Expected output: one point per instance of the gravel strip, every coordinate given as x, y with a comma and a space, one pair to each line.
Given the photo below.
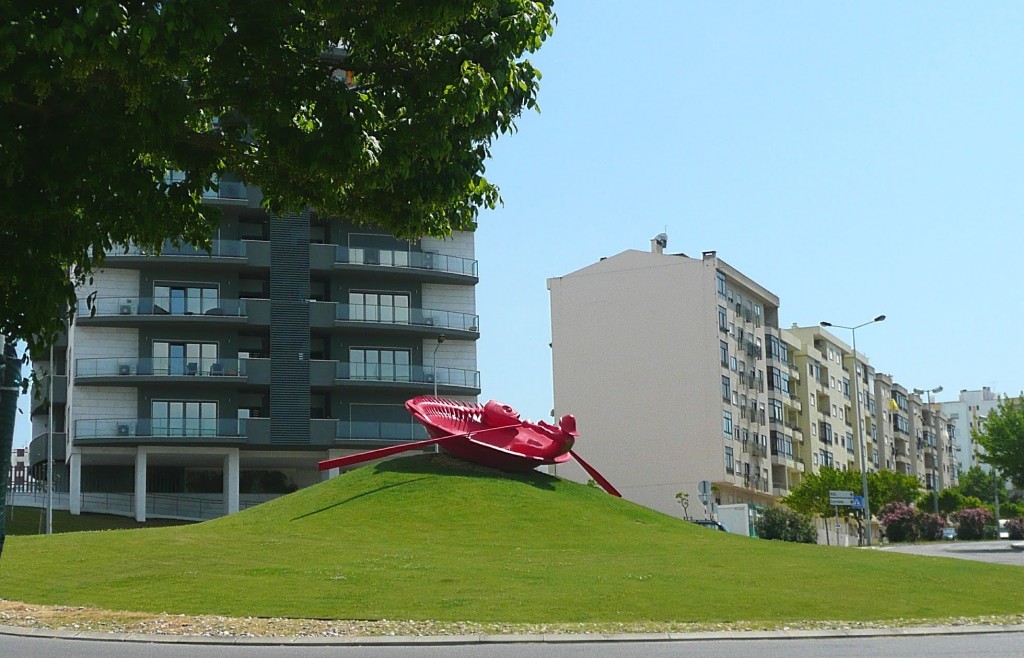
75, 618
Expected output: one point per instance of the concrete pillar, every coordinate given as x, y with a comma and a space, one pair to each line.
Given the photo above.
140, 485
333, 472
75, 485
231, 464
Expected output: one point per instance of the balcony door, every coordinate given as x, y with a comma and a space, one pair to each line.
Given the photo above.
392, 308
183, 357
184, 418
380, 364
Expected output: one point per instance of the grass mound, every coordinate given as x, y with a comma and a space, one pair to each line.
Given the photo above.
428, 537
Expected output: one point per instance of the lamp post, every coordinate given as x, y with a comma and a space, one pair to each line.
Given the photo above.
433, 367
860, 425
935, 453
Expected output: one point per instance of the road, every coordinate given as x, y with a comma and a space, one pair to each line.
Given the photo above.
975, 645
984, 551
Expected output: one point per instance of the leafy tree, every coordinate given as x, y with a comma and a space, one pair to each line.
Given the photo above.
786, 525
950, 500
1015, 528
885, 487
981, 484
1001, 436
379, 112
810, 497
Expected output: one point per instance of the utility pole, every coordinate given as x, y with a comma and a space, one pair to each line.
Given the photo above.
10, 388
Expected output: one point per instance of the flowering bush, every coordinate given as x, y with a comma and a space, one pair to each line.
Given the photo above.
1016, 528
972, 522
898, 519
929, 526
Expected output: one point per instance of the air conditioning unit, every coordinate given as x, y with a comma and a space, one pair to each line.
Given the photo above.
124, 429
429, 322
125, 309
124, 369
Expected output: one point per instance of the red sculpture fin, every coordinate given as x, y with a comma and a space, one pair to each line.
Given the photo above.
380, 453
600, 479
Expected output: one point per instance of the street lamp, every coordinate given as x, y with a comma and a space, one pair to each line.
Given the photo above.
935, 449
433, 367
860, 425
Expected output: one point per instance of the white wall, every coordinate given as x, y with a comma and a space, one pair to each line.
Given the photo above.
461, 299
461, 244
113, 283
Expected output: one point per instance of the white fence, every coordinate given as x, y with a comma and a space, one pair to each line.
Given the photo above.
186, 507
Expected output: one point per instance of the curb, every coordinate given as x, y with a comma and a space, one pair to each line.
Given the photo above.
442, 640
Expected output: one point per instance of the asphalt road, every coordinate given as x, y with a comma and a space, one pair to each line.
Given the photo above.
1000, 552
976, 646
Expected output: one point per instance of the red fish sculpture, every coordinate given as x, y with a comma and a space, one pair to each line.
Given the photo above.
491, 434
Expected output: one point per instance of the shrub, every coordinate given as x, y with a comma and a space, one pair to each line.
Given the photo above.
972, 523
929, 526
1016, 528
786, 525
899, 521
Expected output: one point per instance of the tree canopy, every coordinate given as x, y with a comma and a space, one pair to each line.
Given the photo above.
1001, 437
381, 112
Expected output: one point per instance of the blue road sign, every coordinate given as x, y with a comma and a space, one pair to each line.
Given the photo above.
858, 502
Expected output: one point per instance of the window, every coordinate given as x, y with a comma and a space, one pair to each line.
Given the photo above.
732, 363
184, 418
776, 408
721, 284
379, 364
723, 353
726, 388
825, 432
730, 465
379, 307
184, 358
846, 387
183, 299
727, 424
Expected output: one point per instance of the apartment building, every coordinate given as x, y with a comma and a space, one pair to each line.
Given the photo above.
662, 359
677, 371
19, 478
226, 376
966, 414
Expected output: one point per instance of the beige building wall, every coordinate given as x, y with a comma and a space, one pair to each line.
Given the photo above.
636, 353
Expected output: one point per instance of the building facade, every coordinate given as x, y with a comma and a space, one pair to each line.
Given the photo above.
226, 376
966, 414
662, 360
678, 372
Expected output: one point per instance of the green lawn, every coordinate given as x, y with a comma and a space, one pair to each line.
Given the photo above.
427, 537
32, 521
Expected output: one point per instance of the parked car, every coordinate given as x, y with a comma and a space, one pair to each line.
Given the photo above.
710, 523
949, 533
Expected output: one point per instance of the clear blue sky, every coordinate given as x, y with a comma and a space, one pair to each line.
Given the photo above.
854, 158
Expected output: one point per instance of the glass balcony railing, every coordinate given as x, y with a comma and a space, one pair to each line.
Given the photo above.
172, 367
225, 189
104, 306
159, 427
379, 431
219, 249
413, 259
420, 317
407, 374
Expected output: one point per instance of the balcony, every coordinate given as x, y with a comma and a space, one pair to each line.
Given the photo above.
415, 378
371, 432
158, 430
147, 311
37, 448
416, 264
40, 399
121, 370
223, 253
407, 320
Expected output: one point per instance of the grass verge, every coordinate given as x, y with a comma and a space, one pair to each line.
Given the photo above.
429, 538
